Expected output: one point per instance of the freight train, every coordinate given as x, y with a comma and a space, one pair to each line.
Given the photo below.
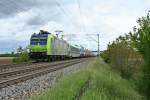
46, 46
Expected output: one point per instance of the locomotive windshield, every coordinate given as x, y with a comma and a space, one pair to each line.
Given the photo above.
39, 40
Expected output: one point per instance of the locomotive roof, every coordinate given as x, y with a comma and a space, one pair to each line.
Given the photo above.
41, 33
38, 35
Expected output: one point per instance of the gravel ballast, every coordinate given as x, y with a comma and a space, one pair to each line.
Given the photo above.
23, 90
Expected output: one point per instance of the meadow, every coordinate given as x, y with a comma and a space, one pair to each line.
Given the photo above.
97, 81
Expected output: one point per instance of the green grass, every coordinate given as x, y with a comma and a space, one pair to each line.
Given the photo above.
66, 89
105, 84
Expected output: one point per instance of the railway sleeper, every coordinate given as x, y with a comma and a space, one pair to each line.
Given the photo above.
32, 75
17, 72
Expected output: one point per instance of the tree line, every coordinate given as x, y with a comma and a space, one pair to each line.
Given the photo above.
129, 54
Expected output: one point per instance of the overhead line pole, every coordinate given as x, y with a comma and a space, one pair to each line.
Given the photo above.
98, 44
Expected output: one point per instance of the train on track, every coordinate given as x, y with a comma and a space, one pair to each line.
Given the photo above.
45, 45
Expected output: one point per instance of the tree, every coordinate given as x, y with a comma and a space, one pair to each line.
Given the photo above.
143, 44
20, 49
22, 55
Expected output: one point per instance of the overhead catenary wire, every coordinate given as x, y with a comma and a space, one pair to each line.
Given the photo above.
84, 25
89, 36
18, 7
81, 16
7, 4
64, 12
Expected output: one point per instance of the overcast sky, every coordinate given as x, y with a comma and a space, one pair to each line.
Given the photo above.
110, 18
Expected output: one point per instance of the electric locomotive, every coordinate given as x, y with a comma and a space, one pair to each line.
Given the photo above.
44, 45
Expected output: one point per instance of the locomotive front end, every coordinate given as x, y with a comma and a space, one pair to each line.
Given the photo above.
38, 46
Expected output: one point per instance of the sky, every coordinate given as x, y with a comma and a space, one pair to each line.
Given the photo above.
19, 19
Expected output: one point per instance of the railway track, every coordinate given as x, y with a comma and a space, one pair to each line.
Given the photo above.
17, 73
11, 66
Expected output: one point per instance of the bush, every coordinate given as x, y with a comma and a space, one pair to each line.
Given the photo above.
126, 61
105, 56
22, 57
142, 41
125, 54
123, 58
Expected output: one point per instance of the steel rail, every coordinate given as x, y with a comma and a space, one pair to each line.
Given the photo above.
27, 69
14, 66
20, 78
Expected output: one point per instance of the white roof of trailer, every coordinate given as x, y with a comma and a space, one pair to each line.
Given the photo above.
75, 45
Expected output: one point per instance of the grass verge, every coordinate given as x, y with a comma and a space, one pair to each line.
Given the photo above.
105, 84
66, 89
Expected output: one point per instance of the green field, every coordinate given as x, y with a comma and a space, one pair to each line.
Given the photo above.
103, 84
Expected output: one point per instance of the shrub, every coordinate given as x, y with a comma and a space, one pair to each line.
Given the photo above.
143, 36
105, 56
126, 60
22, 57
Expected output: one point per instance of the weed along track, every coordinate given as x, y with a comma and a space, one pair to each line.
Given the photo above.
21, 73
83, 89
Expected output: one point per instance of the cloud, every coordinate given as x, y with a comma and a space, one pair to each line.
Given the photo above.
11, 26
21, 18
12, 7
11, 45
37, 20
9, 8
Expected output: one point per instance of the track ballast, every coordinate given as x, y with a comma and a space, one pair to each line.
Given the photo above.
14, 74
